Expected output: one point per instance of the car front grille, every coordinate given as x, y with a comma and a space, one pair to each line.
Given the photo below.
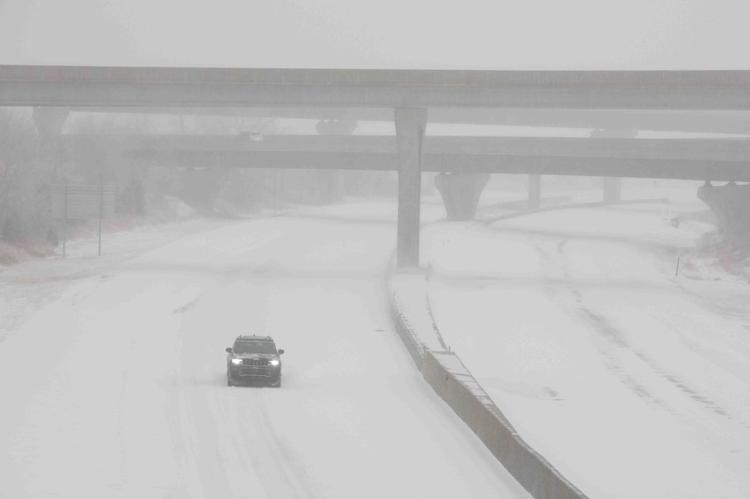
254, 371
255, 362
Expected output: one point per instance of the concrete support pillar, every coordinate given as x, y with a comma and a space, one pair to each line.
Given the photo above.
611, 189
461, 193
535, 192
410, 128
612, 186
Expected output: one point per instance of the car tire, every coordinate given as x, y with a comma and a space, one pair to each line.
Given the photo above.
229, 381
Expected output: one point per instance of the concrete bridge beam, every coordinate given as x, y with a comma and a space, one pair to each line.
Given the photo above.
410, 128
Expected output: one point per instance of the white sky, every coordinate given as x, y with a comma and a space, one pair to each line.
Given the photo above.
465, 34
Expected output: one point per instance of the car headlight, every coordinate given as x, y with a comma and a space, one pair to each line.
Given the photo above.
236, 362
274, 362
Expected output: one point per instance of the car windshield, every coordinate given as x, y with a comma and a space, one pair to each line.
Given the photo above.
251, 346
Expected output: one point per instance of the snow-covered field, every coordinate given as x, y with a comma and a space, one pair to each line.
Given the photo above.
631, 381
112, 371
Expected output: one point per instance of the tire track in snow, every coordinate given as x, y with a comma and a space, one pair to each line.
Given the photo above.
231, 423
275, 464
598, 322
557, 266
616, 338
288, 464
558, 261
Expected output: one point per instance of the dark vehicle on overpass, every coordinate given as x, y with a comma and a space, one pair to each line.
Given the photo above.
254, 359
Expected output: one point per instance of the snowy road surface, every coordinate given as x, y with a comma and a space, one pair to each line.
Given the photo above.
632, 382
113, 385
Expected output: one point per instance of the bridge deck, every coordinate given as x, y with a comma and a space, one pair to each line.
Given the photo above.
160, 86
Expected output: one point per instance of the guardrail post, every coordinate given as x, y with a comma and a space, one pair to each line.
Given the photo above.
410, 128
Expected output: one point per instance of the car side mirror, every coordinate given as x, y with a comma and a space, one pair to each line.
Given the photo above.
281, 351
228, 349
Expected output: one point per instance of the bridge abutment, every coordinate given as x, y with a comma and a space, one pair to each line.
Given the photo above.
461, 193
410, 128
731, 204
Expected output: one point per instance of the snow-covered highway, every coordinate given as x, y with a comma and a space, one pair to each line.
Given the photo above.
631, 381
113, 384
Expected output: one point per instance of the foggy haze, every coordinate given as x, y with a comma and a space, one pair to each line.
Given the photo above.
474, 34
240, 256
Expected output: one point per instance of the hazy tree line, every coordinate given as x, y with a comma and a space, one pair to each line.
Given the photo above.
26, 179
33, 168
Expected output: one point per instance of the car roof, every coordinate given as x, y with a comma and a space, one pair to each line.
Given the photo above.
252, 337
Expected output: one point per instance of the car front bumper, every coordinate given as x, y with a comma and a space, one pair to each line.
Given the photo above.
249, 373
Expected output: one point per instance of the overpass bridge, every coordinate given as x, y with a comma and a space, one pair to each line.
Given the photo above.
682, 121
222, 87
687, 159
408, 95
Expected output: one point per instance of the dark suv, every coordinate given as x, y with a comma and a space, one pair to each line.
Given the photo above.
254, 359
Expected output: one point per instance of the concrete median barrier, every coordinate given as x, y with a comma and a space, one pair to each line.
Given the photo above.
453, 382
